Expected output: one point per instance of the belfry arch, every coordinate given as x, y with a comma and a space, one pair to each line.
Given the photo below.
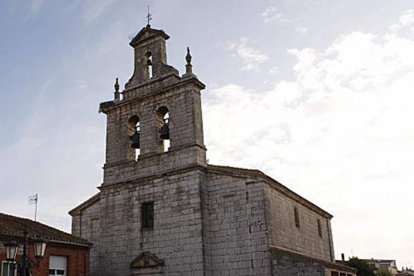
163, 124
134, 135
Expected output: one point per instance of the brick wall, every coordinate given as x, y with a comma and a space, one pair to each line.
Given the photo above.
77, 259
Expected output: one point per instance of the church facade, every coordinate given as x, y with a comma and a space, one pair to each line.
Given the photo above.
163, 210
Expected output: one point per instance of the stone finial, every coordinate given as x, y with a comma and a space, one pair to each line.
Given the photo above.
188, 56
188, 66
116, 86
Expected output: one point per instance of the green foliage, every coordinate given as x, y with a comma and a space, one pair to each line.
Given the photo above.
364, 269
383, 272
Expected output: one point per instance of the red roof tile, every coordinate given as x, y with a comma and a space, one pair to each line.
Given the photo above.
11, 228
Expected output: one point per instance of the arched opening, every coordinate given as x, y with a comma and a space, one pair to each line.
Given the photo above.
149, 64
134, 135
163, 118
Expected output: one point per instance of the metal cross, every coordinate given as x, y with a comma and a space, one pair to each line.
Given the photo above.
149, 18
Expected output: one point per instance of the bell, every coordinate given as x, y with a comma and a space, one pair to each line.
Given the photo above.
135, 140
165, 131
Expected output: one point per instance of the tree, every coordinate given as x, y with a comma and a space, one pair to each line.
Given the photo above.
364, 269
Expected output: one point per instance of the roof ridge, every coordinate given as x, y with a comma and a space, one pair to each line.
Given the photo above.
281, 187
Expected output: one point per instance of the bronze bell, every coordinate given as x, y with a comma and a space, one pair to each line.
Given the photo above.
165, 131
135, 140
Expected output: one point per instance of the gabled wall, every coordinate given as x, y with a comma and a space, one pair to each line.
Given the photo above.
283, 231
176, 237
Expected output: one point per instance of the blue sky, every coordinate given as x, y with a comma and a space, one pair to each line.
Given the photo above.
315, 93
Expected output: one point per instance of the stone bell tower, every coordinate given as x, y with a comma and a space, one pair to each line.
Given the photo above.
150, 199
155, 98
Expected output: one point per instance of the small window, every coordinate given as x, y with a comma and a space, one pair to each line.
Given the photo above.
297, 220
334, 273
57, 265
8, 268
319, 228
147, 215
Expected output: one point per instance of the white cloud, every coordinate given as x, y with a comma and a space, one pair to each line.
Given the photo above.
406, 20
93, 9
338, 133
268, 12
271, 73
251, 58
274, 70
271, 14
301, 29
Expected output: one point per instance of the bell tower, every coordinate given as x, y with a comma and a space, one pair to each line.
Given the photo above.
155, 124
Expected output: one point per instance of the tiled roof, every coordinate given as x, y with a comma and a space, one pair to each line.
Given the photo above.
337, 266
11, 228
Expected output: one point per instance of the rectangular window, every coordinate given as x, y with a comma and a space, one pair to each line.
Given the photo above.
319, 228
297, 220
56, 272
334, 273
57, 265
147, 215
8, 268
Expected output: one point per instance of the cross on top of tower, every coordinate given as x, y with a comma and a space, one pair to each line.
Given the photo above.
149, 18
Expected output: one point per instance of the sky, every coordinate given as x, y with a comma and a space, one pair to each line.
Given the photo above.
318, 94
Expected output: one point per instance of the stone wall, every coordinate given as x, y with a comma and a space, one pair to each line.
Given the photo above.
288, 264
235, 230
86, 224
283, 231
183, 102
176, 237
206, 221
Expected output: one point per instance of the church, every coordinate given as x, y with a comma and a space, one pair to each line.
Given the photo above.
163, 210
